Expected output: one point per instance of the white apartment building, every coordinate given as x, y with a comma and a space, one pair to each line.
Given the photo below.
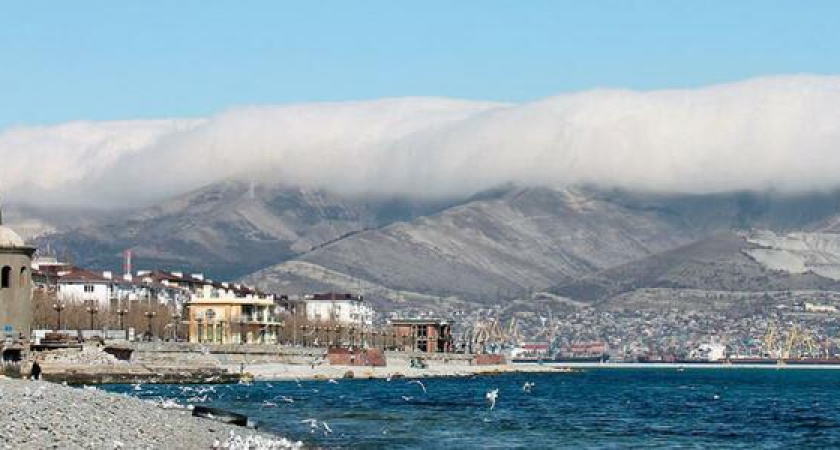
341, 308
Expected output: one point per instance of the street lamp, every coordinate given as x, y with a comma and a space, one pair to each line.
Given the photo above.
121, 313
150, 315
93, 310
58, 307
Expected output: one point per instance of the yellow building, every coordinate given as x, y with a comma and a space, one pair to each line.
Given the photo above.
232, 314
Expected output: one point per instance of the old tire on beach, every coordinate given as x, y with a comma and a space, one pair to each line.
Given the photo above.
220, 415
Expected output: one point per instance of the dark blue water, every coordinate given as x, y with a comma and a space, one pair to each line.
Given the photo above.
607, 408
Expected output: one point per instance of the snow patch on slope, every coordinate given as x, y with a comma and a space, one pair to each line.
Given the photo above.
797, 252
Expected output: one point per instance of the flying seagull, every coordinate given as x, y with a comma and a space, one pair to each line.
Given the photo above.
420, 383
492, 396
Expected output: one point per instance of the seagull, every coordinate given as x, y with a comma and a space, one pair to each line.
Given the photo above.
492, 396
137, 387
287, 399
407, 398
326, 427
527, 387
268, 403
332, 381
313, 424
418, 382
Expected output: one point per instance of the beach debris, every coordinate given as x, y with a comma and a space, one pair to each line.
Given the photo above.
492, 396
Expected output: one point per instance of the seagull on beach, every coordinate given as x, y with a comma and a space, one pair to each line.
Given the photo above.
420, 383
527, 387
492, 396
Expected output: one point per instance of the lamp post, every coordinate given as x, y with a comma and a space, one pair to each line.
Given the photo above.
150, 315
121, 313
58, 307
93, 310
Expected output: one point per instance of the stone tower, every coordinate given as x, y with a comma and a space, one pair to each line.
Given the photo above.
15, 287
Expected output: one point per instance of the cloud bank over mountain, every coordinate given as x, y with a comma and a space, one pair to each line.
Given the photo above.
779, 133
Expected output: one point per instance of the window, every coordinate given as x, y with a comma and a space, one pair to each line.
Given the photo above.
6, 277
24, 277
88, 288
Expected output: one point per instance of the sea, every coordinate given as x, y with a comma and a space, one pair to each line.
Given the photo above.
594, 408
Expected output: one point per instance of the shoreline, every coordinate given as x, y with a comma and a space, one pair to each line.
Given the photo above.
287, 372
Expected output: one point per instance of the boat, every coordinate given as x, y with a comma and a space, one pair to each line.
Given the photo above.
530, 353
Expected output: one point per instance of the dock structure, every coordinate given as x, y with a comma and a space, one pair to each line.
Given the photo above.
429, 335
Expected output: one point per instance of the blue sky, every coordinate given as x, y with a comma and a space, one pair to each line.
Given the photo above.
99, 60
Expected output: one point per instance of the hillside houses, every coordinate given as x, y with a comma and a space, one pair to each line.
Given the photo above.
176, 289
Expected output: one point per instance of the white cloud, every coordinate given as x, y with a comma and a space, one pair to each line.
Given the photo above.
780, 132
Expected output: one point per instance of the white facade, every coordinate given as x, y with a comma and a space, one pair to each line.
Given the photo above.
710, 352
348, 311
85, 291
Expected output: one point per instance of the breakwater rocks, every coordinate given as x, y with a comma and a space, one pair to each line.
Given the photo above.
39, 415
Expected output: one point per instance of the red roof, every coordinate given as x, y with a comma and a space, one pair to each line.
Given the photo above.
76, 274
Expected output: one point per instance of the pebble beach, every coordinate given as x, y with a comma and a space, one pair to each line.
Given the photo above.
42, 415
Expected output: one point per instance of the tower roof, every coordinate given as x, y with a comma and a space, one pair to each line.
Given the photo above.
8, 238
